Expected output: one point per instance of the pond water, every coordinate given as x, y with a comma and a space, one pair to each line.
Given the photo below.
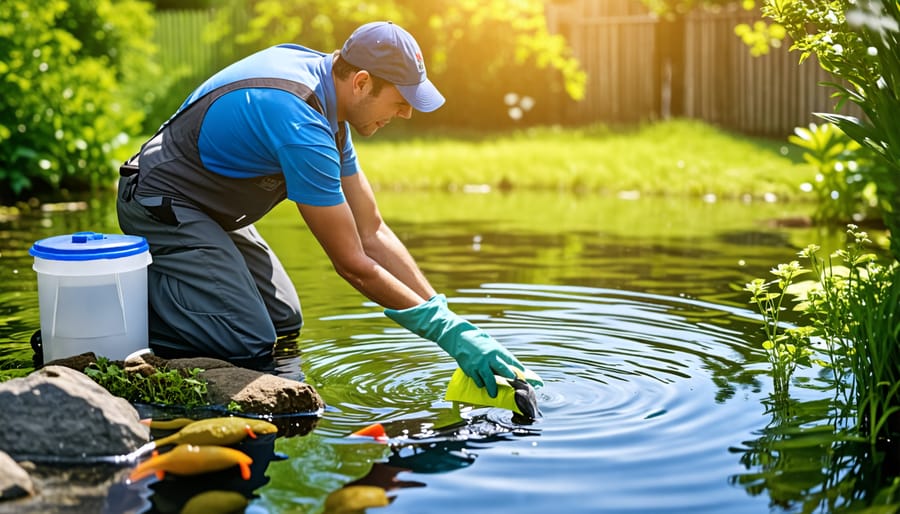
656, 387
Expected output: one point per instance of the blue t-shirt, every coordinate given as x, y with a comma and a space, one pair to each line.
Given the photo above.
254, 132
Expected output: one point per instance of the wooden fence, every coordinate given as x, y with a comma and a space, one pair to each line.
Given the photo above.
639, 68
726, 85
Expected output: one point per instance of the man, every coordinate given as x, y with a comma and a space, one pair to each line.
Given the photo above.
269, 127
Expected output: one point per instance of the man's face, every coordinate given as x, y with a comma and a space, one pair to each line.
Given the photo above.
370, 112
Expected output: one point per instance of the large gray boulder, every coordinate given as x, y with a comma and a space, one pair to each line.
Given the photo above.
60, 412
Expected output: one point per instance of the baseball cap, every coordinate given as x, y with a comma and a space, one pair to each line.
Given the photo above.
389, 52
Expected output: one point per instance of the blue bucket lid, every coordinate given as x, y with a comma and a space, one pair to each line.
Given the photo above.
87, 246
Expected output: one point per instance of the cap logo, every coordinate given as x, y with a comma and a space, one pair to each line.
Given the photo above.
420, 62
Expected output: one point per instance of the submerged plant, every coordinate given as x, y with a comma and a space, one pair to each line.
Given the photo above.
166, 387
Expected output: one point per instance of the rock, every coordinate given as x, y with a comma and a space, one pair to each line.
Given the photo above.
14, 481
206, 363
254, 391
144, 364
57, 411
75, 489
260, 393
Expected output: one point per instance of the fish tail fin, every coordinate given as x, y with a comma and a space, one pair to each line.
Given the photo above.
375, 431
144, 469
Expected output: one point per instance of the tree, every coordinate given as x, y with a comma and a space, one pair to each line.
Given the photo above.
477, 51
72, 76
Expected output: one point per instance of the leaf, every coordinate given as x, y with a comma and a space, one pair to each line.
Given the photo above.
802, 288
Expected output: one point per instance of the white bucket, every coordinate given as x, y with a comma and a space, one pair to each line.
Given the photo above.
92, 293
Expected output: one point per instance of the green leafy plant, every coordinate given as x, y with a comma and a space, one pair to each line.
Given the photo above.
855, 309
166, 387
858, 43
852, 307
844, 169
850, 312
785, 347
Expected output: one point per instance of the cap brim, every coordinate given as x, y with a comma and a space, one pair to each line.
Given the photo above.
424, 97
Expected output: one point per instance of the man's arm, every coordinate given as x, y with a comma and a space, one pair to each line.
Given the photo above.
378, 240
367, 254
335, 229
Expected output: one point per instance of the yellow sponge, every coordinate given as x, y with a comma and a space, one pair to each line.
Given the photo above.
516, 395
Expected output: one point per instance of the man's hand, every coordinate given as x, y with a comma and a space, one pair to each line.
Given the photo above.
478, 354
481, 357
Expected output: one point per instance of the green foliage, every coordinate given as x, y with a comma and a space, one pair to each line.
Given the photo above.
73, 74
760, 36
166, 387
474, 49
851, 314
164, 5
319, 24
859, 44
856, 311
843, 173
485, 50
785, 348
853, 310
11, 373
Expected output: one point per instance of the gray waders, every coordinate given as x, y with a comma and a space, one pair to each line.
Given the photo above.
215, 288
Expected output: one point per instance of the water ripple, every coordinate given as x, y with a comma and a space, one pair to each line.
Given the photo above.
631, 389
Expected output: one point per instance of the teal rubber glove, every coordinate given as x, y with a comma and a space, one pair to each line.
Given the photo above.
478, 354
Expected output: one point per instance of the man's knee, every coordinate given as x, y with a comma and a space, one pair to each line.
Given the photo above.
290, 323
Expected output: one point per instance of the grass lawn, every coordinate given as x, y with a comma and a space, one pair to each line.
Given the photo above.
672, 158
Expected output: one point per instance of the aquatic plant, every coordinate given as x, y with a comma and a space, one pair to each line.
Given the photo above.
851, 317
167, 387
851, 310
786, 347
855, 310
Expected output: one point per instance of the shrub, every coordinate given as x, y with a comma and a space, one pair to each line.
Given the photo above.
857, 43
73, 74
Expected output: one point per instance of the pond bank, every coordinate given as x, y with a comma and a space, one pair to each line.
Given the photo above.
74, 440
